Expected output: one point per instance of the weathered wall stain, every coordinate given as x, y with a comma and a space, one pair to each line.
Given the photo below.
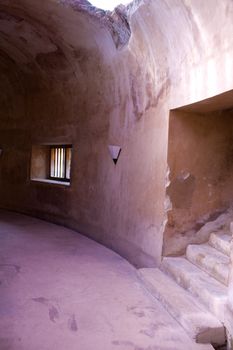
181, 192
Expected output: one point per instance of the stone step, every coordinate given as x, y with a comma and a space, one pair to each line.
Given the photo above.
209, 291
215, 263
221, 241
200, 324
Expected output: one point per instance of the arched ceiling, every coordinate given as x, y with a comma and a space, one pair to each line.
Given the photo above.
53, 38
45, 33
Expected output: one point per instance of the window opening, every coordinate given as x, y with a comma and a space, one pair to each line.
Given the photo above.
60, 162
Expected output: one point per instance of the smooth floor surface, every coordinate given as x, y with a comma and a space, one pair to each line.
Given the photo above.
62, 291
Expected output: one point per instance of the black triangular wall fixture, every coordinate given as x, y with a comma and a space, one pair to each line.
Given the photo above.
114, 152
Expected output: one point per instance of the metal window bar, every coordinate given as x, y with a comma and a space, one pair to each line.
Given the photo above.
60, 162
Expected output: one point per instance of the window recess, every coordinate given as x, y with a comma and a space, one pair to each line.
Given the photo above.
51, 163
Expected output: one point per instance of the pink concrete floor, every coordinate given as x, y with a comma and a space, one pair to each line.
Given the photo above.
62, 291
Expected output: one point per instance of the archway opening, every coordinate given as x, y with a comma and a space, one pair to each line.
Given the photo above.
200, 155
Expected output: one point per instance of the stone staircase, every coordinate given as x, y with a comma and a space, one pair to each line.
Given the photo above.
193, 288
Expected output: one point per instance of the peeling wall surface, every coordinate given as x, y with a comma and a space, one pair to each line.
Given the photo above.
74, 74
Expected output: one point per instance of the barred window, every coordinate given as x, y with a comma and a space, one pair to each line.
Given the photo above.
60, 162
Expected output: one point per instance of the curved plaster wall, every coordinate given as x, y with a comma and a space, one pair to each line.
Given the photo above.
71, 73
